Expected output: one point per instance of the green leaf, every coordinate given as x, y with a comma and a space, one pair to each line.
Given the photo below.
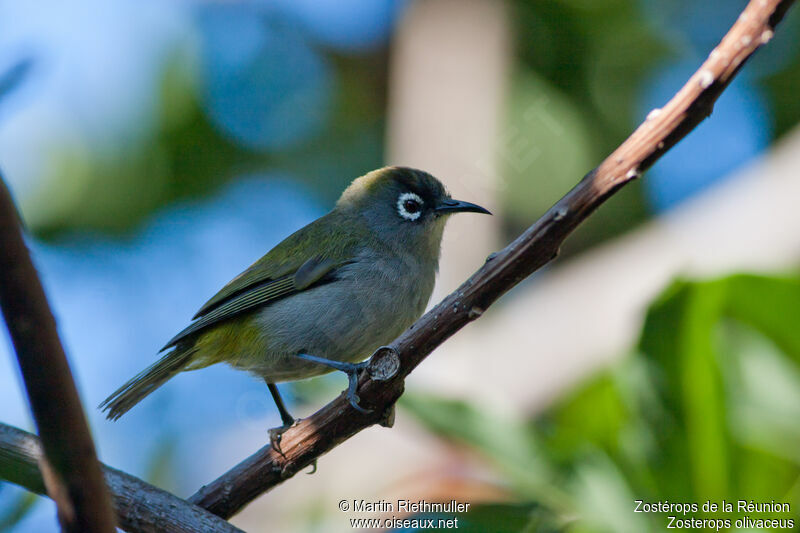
678, 341
769, 304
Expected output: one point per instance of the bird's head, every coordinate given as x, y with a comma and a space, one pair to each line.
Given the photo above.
403, 206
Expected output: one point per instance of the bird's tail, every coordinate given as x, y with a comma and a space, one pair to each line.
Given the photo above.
145, 382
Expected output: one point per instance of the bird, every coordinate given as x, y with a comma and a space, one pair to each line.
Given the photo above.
323, 299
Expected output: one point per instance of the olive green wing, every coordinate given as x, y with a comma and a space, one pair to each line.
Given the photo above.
292, 266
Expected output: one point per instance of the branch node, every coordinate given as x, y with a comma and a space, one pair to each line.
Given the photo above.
475, 312
384, 364
705, 78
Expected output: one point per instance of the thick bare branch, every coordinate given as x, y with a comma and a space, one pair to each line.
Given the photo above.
337, 421
140, 506
72, 473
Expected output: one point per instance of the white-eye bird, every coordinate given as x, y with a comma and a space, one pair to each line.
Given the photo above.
323, 299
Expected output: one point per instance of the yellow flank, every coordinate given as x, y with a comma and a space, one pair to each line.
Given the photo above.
234, 342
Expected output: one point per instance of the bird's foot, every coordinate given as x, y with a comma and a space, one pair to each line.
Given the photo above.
351, 369
276, 434
352, 386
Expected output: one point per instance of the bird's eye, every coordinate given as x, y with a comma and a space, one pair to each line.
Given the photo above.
409, 206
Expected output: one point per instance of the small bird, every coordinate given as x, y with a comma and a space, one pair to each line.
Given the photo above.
324, 298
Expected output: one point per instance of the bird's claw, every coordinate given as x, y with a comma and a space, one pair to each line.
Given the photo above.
313, 466
351, 369
352, 378
353, 398
275, 435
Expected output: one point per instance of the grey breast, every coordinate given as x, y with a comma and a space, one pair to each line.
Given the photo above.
370, 303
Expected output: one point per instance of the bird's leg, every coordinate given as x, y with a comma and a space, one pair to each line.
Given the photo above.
351, 369
288, 420
286, 417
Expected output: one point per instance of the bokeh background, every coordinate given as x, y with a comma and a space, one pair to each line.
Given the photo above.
155, 149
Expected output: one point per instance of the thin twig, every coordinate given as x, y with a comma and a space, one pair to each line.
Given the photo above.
337, 421
140, 506
72, 473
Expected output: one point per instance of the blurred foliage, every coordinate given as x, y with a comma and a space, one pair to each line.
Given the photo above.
15, 507
708, 409
596, 53
13, 76
189, 157
577, 89
498, 518
781, 87
576, 86
574, 99
188, 153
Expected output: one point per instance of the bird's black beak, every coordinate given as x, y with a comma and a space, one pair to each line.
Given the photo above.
447, 206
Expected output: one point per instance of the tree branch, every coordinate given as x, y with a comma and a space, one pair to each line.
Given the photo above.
71, 472
140, 506
382, 385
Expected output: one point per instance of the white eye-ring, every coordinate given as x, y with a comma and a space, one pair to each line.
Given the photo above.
409, 206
